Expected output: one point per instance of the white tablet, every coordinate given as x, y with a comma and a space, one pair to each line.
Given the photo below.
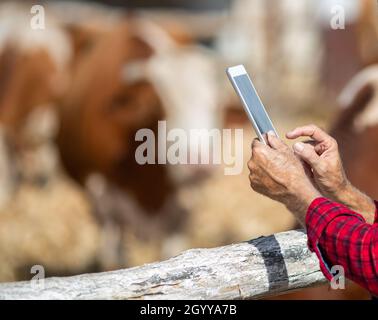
251, 101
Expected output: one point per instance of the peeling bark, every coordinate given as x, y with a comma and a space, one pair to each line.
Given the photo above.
257, 268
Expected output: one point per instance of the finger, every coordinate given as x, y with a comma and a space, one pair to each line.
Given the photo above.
260, 149
309, 131
275, 142
256, 143
311, 143
318, 147
307, 153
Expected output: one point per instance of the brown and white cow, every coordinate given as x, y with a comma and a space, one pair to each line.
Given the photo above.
132, 77
106, 83
34, 65
356, 130
34, 72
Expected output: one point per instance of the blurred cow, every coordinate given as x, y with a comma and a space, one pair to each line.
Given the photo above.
34, 65
43, 214
34, 71
129, 79
356, 130
106, 83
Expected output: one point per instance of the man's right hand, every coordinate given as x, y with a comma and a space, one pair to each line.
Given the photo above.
322, 155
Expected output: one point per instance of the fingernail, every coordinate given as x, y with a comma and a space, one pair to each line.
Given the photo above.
299, 146
271, 133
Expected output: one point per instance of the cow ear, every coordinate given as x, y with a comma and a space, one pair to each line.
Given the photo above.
356, 100
362, 97
139, 49
359, 90
355, 105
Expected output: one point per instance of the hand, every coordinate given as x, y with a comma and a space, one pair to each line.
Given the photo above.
276, 172
323, 156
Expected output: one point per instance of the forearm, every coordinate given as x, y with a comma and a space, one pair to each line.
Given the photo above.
357, 201
299, 202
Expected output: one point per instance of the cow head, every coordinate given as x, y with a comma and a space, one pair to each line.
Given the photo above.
102, 112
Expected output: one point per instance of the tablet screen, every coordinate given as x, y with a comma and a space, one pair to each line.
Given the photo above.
256, 108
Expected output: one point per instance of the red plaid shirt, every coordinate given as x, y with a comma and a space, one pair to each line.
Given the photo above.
340, 236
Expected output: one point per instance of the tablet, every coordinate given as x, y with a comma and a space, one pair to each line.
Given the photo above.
251, 101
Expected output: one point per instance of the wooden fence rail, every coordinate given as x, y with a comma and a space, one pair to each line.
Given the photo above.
258, 268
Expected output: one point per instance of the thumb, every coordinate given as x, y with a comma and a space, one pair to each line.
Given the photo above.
307, 153
274, 141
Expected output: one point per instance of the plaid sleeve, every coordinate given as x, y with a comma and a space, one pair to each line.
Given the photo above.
340, 236
376, 212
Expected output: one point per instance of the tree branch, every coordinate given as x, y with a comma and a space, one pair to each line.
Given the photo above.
258, 268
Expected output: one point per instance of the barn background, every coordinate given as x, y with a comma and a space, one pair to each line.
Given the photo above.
72, 96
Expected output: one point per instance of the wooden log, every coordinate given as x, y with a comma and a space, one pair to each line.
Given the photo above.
253, 269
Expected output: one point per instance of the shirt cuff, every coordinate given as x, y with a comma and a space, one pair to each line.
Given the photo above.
376, 212
319, 214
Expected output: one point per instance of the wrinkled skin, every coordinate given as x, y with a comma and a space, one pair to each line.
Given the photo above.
276, 172
312, 169
323, 156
